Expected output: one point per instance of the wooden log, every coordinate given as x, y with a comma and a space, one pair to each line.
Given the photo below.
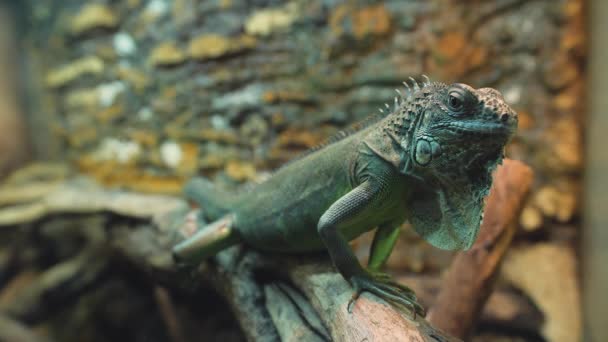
371, 318
13, 331
63, 282
308, 291
276, 297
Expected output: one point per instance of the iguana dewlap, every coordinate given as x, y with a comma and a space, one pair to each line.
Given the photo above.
428, 161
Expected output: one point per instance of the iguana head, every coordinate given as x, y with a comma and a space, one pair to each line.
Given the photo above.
455, 128
453, 138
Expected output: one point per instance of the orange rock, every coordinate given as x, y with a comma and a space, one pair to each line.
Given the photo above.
477, 57
561, 72
531, 218
548, 274
454, 55
240, 171
129, 176
337, 17
372, 20
135, 77
565, 101
167, 54
110, 114
569, 100
573, 40
451, 44
572, 8
284, 96
269, 97
157, 184
525, 120
228, 137
556, 203
547, 198
298, 138
144, 137
364, 22
189, 163
565, 145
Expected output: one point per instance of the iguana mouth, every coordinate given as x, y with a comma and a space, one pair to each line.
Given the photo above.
485, 128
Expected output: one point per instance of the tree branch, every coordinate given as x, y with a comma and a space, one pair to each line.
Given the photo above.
288, 298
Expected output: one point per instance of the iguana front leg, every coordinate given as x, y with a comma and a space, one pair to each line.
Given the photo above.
351, 207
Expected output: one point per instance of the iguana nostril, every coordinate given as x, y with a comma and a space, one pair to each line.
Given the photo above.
504, 117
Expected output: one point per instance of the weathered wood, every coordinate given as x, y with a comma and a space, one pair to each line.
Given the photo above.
371, 319
54, 287
233, 274
292, 315
13, 331
290, 298
167, 310
470, 278
33, 201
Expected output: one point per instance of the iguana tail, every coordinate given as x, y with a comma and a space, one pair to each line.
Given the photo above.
208, 241
214, 203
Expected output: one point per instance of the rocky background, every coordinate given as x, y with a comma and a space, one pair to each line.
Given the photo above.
143, 94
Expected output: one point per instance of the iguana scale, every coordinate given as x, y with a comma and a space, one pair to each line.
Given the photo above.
428, 161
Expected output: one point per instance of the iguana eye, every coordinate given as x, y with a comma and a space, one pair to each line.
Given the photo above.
456, 101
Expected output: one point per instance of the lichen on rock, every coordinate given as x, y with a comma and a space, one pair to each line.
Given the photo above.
167, 54
210, 46
266, 21
67, 73
93, 16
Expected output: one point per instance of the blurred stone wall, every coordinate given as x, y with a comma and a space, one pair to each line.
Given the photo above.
143, 94
146, 93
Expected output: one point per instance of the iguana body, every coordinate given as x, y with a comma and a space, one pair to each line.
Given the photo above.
429, 162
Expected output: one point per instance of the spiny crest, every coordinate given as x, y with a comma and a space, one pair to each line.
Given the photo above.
403, 118
399, 122
402, 98
342, 134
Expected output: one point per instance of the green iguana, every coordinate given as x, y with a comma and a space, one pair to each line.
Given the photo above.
428, 161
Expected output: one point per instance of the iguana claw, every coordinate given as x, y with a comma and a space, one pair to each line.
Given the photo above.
381, 285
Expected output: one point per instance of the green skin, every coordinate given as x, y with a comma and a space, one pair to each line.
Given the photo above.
429, 162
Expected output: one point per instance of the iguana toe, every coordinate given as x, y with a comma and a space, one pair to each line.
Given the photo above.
380, 284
